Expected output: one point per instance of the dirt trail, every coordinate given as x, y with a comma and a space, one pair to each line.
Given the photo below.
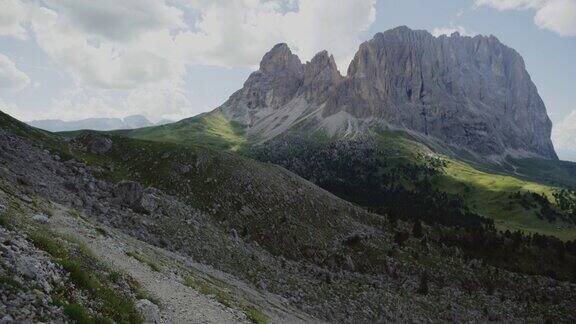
179, 303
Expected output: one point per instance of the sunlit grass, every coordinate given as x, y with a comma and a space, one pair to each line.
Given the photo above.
212, 130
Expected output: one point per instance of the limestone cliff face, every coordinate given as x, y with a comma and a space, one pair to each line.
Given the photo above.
270, 88
472, 93
321, 78
282, 92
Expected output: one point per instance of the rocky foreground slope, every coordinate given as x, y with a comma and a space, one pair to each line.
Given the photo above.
471, 94
265, 244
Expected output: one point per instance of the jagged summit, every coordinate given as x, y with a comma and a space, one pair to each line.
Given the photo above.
471, 93
321, 76
280, 58
322, 64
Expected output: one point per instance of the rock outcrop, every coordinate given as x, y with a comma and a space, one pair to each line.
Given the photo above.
472, 93
99, 145
271, 87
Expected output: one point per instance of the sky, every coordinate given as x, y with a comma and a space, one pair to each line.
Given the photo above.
73, 59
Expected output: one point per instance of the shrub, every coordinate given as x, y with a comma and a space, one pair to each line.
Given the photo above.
255, 315
78, 313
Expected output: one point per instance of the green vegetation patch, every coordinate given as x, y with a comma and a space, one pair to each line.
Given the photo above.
552, 172
212, 130
80, 263
9, 282
255, 315
46, 139
7, 219
496, 196
490, 194
143, 259
224, 297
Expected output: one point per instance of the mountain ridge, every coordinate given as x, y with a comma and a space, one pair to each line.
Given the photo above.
96, 123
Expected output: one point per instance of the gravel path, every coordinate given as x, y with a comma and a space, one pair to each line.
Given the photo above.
179, 303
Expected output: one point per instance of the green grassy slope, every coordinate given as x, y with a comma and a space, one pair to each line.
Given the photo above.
266, 202
15, 126
491, 195
212, 130
396, 174
288, 216
555, 173
487, 193
49, 141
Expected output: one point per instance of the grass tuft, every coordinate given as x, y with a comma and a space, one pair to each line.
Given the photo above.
224, 298
78, 313
144, 260
114, 306
255, 315
11, 283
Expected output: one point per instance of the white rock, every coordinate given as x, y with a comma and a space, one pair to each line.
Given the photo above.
149, 311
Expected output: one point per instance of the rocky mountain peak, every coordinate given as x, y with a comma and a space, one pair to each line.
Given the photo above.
322, 64
280, 58
322, 59
472, 93
321, 76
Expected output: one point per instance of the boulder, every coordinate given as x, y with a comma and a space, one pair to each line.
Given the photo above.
149, 311
149, 202
41, 218
129, 193
99, 145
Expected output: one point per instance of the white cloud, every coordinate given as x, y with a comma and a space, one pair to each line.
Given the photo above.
79, 106
110, 44
10, 77
131, 56
439, 31
13, 18
173, 98
118, 20
556, 15
564, 133
128, 44
510, 4
155, 102
101, 64
238, 32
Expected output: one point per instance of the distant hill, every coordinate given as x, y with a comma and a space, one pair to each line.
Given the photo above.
100, 124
